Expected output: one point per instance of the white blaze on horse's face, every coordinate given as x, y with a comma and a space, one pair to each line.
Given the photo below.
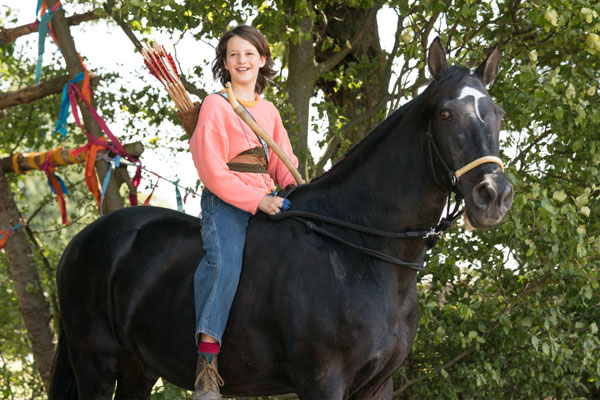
471, 91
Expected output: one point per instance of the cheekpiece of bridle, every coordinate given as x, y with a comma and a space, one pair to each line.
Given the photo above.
431, 236
452, 178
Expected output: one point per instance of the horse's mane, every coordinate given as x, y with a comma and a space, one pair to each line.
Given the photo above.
422, 103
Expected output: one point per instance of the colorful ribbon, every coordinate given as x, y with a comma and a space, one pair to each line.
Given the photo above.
178, 196
91, 149
57, 185
147, 201
45, 27
96, 145
61, 122
39, 5
114, 163
4, 235
43, 31
137, 178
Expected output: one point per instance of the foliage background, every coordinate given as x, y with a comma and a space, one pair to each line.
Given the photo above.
507, 313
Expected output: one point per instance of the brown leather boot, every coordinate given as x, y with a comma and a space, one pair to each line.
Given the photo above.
208, 379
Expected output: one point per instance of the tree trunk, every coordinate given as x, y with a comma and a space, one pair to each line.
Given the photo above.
30, 296
303, 75
112, 198
342, 26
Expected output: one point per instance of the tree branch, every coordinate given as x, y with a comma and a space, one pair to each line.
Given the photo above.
25, 161
32, 93
11, 34
108, 7
329, 64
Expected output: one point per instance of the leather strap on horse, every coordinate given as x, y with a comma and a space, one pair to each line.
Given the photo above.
477, 163
431, 236
253, 160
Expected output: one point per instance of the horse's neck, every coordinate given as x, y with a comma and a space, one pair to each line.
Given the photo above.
385, 183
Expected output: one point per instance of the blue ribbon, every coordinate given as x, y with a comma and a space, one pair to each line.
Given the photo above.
178, 196
60, 182
14, 228
114, 163
39, 5
61, 122
43, 31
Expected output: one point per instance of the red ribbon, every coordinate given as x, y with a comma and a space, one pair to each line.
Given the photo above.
147, 201
95, 144
91, 181
49, 168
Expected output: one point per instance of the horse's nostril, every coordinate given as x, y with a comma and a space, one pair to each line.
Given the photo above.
484, 195
506, 199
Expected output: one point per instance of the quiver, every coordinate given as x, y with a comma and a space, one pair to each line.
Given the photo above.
189, 119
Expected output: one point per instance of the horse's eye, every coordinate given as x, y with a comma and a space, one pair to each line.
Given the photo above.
445, 115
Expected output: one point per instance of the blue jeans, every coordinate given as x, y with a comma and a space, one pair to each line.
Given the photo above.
216, 278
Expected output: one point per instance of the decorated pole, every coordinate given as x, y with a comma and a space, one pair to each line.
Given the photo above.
243, 114
23, 162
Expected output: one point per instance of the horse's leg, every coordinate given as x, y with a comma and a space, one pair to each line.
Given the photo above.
135, 380
386, 391
96, 374
383, 392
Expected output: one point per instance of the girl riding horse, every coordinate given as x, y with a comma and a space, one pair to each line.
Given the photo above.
239, 174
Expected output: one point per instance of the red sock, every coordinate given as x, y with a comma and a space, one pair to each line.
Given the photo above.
206, 348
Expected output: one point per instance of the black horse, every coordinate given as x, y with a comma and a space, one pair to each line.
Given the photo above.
312, 315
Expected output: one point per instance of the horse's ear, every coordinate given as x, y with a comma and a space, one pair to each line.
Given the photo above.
436, 59
489, 67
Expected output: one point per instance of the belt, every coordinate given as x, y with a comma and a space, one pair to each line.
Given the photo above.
253, 160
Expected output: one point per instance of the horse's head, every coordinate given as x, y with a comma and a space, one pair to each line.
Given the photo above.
464, 127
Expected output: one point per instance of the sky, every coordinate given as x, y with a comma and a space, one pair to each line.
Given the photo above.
113, 51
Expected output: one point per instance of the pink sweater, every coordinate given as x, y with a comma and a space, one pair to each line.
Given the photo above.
221, 135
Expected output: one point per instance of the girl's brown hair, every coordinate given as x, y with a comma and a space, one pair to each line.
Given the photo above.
258, 40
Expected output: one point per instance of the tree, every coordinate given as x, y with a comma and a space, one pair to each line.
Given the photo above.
507, 313
19, 254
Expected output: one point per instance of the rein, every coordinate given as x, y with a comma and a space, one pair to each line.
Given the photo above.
431, 236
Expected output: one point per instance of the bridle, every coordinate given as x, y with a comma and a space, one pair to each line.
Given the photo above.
431, 236
453, 175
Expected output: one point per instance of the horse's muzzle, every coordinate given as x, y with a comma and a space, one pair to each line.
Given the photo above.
489, 201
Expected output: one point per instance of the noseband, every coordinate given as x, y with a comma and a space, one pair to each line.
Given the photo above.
453, 175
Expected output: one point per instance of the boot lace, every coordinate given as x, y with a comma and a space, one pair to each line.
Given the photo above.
209, 377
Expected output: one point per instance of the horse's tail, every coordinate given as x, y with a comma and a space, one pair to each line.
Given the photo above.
63, 385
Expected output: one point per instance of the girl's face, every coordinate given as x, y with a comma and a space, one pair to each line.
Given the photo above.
243, 62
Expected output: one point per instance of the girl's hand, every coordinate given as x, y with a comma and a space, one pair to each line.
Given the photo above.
270, 204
